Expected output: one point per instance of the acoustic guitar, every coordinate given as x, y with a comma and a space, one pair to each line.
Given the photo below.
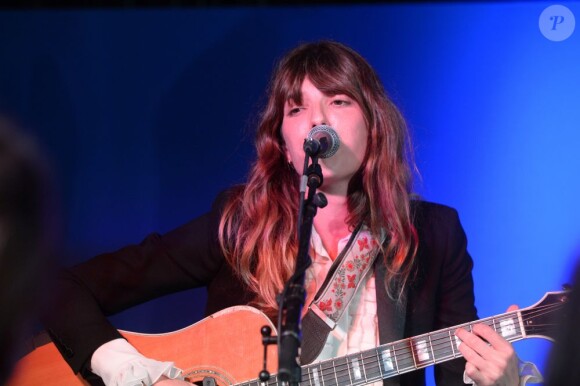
227, 347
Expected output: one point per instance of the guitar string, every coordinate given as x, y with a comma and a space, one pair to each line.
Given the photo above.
408, 361
370, 362
372, 369
445, 338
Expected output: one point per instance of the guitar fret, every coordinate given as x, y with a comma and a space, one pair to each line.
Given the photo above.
273, 381
388, 362
364, 368
316, 377
328, 374
380, 362
413, 354
306, 376
508, 329
431, 347
372, 365
421, 350
489, 322
348, 371
340, 366
452, 341
357, 373
442, 346
521, 323
396, 361
334, 371
405, 357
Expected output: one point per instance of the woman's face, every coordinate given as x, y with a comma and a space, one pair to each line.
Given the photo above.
341, 113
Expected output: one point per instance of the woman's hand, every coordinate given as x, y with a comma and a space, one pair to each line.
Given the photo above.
491, 360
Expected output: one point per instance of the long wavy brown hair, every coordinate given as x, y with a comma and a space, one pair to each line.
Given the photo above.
258, 225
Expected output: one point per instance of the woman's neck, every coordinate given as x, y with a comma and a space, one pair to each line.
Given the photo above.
330, 223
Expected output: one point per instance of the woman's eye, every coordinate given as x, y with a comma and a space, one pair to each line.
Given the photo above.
341, 102
294, 111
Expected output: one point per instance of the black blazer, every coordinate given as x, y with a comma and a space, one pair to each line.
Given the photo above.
441, 295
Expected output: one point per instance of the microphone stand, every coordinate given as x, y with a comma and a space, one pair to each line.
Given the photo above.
293, 296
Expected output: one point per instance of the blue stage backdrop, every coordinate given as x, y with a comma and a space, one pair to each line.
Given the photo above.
148, 113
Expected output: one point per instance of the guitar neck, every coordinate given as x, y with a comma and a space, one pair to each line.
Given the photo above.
403, 356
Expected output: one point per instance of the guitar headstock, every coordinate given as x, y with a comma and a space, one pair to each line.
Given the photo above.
543, 318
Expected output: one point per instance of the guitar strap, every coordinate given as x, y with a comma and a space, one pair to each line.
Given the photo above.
342, 282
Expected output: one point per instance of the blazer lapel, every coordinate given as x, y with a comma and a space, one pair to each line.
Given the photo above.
391, 314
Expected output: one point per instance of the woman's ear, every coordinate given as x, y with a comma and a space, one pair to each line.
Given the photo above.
287, 156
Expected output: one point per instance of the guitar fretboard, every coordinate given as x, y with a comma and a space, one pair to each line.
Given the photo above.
399, 357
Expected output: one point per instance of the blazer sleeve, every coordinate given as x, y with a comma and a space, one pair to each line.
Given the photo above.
456, 298
442, 291
184, 258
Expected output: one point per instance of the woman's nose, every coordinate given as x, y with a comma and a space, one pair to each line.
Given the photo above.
318, 116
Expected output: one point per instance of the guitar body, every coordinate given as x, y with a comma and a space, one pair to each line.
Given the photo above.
226, 346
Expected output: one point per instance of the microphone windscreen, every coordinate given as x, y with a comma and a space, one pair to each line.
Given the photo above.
328, 139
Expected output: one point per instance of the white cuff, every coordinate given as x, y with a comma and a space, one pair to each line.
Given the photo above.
529, 373
118, 363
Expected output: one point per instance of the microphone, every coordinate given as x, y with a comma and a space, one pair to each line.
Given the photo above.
322, 141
